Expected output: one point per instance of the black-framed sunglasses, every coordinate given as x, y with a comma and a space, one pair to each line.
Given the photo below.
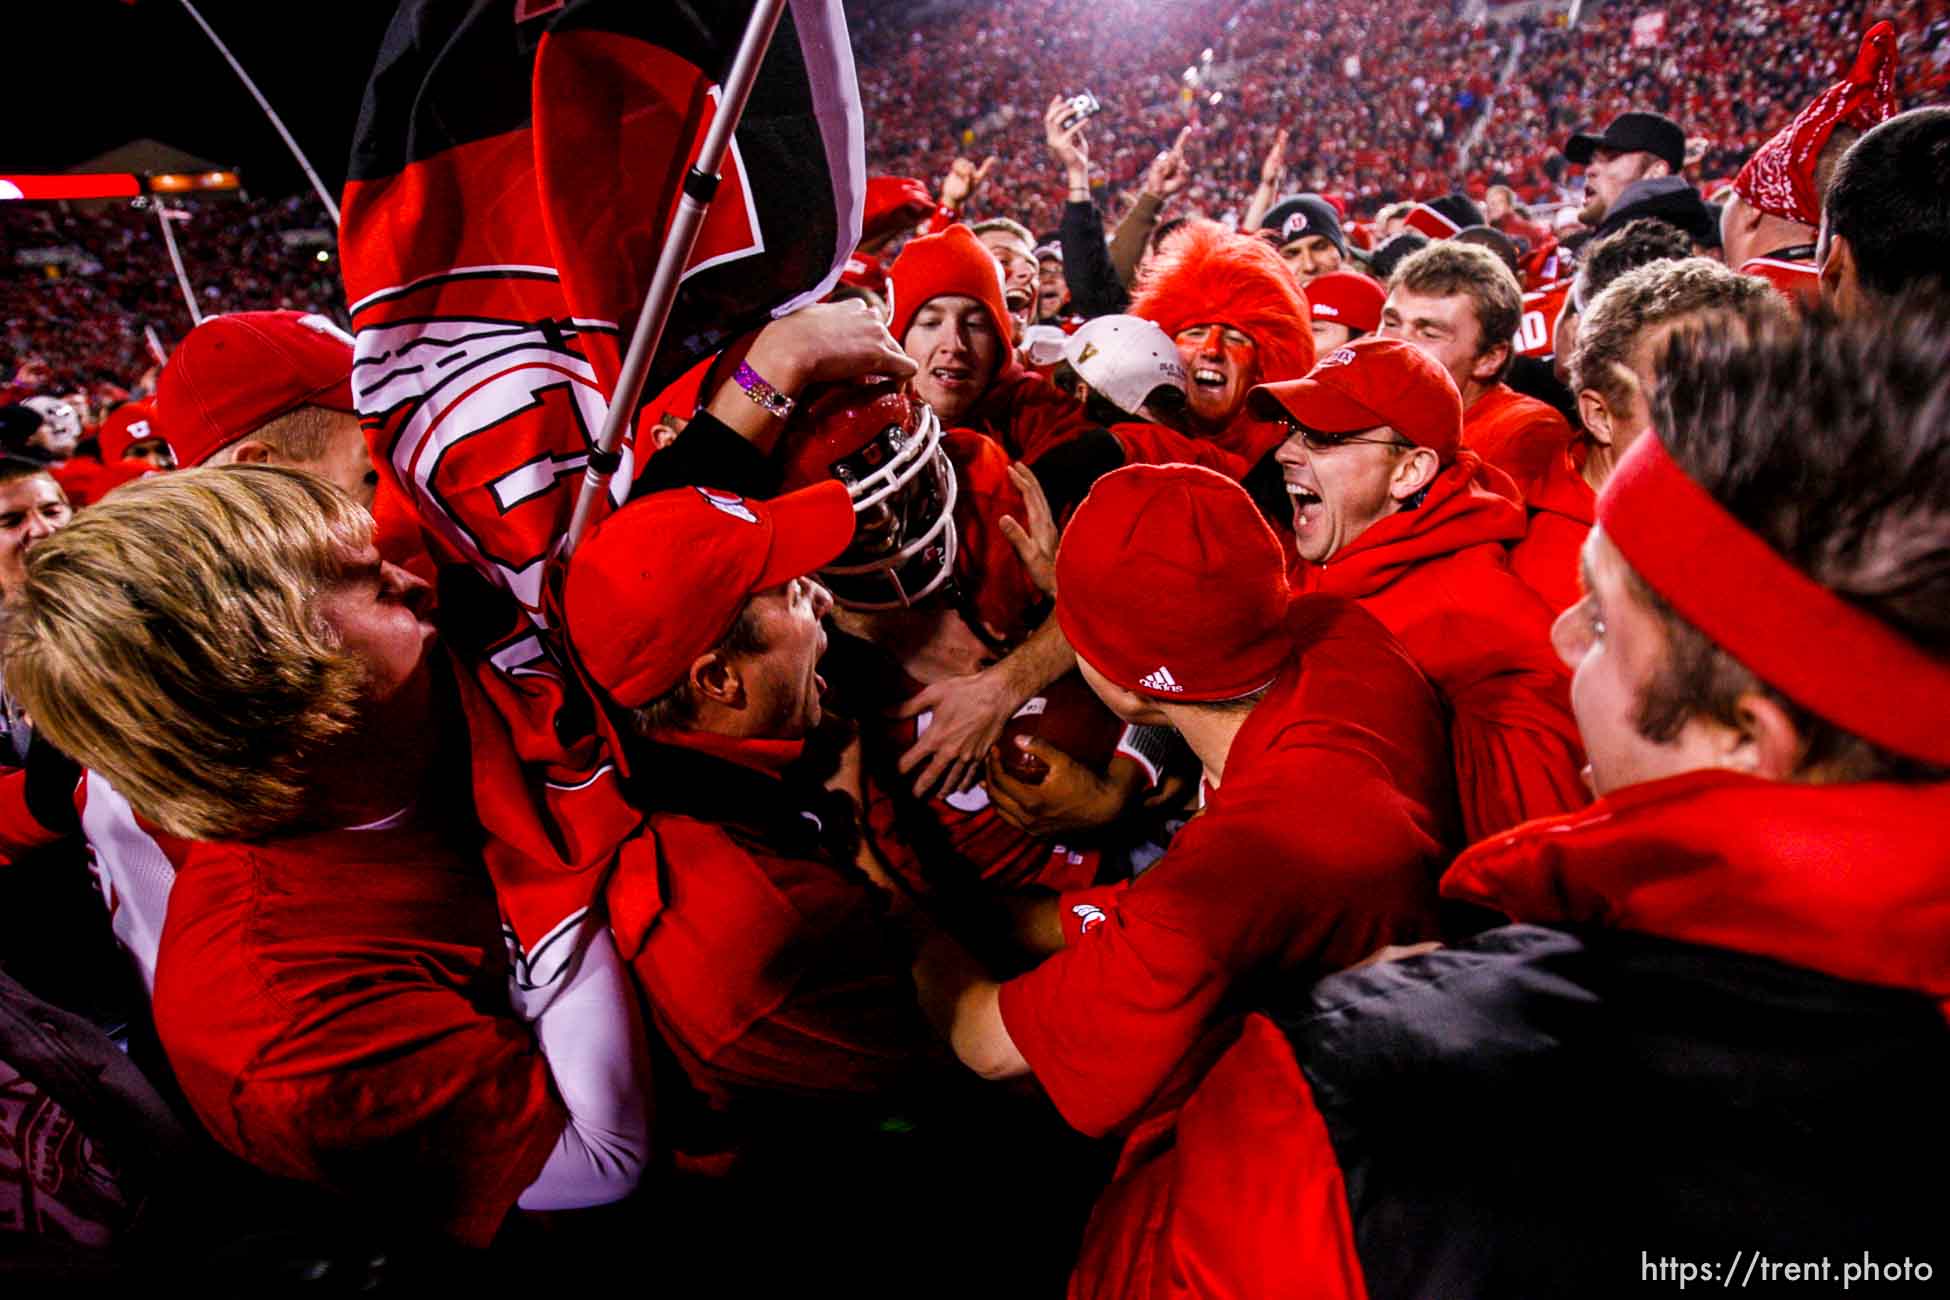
1315, 440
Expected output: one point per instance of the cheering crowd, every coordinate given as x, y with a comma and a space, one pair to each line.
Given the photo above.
1247, 746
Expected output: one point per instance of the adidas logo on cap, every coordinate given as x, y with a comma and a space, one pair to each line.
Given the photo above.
1160, 680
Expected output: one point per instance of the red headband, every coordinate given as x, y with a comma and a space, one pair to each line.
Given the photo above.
1789, 630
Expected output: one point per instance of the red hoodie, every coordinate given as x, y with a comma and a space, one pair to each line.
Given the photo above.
1513, 432
1439, 578
1562, 509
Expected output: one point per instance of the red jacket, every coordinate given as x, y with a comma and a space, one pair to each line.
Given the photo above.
1314, 851
1440, 579
1276, 1178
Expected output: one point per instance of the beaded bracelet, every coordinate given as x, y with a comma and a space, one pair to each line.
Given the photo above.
762, 393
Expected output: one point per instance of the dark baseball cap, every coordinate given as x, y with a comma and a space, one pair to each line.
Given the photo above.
1304, 214
1652, 133
18, 424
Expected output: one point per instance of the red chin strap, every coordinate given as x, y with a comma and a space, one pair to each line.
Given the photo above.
1790, 631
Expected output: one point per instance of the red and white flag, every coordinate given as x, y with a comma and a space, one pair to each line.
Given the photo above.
516, 167
1649, 29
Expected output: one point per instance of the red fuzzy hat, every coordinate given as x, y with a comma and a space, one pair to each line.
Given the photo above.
952, 262
1210, 276
1780, 178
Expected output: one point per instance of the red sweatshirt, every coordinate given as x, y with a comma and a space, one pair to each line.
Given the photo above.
1440, 579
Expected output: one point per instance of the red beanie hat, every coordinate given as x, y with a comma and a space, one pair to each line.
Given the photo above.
1780, 178
1211, 621
935, 266
1209, 275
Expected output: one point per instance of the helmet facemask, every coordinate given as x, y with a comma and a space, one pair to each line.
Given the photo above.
904, 491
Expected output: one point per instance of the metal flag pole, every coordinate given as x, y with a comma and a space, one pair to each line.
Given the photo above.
176, 260
324, 195
700, 186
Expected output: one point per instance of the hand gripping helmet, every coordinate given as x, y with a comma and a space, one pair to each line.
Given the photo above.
886, 447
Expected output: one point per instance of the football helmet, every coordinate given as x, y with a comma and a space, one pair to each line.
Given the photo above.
885, 445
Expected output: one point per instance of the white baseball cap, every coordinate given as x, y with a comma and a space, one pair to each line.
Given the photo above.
1127, 359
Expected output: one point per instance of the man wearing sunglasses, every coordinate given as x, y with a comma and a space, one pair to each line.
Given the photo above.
1392, 511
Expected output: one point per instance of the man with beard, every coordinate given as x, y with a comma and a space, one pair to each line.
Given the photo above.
1632, 170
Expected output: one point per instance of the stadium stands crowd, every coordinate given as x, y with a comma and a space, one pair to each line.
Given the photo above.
1328, 676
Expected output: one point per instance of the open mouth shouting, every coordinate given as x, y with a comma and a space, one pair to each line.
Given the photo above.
1306, 507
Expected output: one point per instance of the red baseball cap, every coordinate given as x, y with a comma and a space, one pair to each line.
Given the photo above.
234, 374
1170, 584
661, 581
1369, 383
1347, 298
126, 425
934, 266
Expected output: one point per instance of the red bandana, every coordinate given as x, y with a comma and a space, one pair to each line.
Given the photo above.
1780, 178
1789, 630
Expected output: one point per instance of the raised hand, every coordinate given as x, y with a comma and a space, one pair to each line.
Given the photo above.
964, 178
1034, 536
1169, 172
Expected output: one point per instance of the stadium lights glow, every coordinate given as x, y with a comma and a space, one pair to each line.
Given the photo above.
324, 256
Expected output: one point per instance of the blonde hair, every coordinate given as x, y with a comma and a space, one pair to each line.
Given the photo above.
169, 639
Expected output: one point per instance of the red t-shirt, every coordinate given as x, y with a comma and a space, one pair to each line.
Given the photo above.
335, 1006
1320, 845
